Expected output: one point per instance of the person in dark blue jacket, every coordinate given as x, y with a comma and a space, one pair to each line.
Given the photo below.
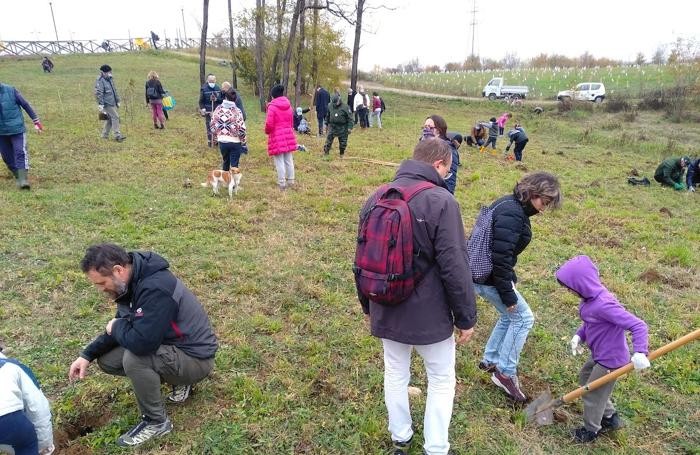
210, 96
692, 176
321, 101
13, 138
436, 126
517, 135
160, 331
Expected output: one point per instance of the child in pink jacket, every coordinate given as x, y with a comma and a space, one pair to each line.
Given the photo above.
281, 140
501, 122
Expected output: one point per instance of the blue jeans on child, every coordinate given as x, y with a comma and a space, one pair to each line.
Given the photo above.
18, 432
491, 140
230, 154
508, 336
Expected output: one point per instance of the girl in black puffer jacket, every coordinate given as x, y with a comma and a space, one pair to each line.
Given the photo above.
511, 235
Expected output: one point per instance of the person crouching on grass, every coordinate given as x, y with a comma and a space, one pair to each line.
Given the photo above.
605, 321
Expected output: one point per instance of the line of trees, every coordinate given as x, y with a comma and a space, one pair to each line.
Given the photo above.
681, 51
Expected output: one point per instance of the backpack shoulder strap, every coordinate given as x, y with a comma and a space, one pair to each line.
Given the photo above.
408, 193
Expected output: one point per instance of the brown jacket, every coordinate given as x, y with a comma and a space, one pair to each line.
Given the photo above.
444, 298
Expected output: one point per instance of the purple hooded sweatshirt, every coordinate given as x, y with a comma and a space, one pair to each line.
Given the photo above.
604, 318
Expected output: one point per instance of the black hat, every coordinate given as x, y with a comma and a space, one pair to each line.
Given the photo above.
277, 91
105, 68
457, 137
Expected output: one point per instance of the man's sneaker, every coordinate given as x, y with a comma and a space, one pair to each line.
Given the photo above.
509, 385
583, 435
612, 423
401, 448
143, 431
487, 366
180, 393
120, 138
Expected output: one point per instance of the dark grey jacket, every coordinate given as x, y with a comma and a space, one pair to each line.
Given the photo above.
105, 92
444, 298
156, 309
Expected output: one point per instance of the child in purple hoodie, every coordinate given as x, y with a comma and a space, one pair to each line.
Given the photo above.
605, 321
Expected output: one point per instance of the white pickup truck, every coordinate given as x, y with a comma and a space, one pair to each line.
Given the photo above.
495, 89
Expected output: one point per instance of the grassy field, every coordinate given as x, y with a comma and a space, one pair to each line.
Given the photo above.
543, 83
297, 372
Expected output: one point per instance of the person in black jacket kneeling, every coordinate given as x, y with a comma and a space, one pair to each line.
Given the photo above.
160, 331
511, 234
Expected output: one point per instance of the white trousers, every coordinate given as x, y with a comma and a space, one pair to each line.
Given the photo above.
439, 361
284, 163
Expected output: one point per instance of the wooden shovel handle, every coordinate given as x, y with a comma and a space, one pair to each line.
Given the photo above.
571, 396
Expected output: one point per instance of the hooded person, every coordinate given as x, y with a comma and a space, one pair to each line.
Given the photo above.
210, 97
340, 123
281, 140
604, 323
299, 120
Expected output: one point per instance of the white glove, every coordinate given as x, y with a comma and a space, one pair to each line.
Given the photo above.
119, 105
203, 111
691, 189
574, 343
640, 361
48, 450
101, 107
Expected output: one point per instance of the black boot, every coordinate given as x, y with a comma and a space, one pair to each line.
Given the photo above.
22, 181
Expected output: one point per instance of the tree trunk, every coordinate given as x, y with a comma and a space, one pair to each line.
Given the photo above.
234, 78
356, 45
281, 9
203, 43
314, 43
259, 37
290, 43
300, 59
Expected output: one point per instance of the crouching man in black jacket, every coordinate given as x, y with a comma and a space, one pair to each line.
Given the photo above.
160, 332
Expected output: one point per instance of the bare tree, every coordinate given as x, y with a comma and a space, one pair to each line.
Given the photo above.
281, 9
259, 44
314, 44
356, 44
290, 42
203, 43
300, 58
234, 78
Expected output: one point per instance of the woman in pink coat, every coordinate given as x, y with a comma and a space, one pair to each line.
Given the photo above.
281, 141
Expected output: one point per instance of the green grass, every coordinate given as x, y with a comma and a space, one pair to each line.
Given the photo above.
297, 371
543, 83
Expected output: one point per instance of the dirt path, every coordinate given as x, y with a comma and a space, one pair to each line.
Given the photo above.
374, 86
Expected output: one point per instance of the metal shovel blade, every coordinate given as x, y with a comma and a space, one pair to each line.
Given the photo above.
540, 409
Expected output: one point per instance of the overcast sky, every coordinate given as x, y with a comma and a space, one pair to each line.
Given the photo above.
435, 31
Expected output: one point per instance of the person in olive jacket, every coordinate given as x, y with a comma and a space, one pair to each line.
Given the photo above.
339, 121
511, 235
442, 302
670, 172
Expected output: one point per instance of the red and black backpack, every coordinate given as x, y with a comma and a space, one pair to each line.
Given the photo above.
383, 264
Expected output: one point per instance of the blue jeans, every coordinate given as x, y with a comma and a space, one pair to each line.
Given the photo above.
508, 336
18, 432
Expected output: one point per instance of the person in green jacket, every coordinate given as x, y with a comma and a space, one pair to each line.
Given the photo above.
670, 172
340, 123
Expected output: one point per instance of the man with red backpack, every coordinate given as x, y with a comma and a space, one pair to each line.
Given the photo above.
414, 284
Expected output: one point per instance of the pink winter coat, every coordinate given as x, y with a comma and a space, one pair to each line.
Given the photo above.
501, 122
279, 127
